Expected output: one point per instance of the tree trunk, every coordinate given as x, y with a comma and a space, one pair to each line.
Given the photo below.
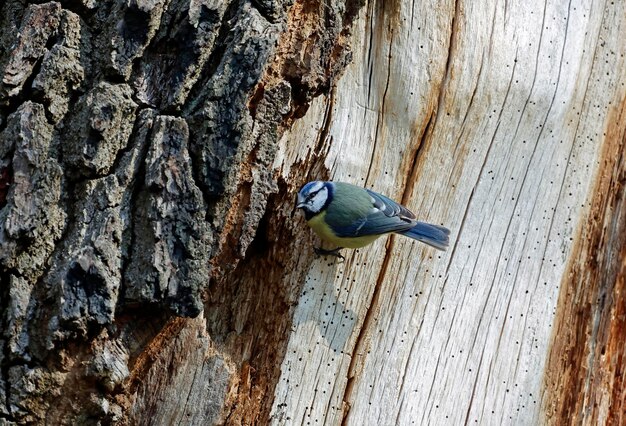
154, 271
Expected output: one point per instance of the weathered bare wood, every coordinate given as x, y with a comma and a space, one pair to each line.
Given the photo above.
494, 119
585, 371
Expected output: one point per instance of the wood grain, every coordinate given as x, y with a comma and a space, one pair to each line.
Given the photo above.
490, 118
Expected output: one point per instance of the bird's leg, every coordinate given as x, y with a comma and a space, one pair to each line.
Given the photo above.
333, 252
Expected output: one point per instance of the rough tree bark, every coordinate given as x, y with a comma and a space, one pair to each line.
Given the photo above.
153, 270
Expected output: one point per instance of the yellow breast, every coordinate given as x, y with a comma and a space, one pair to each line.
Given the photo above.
318, 224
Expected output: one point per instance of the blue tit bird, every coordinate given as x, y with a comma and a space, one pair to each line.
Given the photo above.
350, 216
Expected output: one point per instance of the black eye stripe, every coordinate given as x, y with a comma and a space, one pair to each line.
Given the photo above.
311, 195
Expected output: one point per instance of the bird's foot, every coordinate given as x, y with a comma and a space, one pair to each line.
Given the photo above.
334, 252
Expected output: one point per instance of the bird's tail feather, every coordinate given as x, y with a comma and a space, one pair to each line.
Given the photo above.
433, 235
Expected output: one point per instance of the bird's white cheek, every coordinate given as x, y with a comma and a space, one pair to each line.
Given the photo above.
318, 201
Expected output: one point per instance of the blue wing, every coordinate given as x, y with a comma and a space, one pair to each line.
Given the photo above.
384, 216
389, 207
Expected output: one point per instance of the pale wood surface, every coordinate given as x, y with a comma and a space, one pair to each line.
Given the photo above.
487, 117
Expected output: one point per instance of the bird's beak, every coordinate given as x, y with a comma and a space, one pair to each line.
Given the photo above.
299, 205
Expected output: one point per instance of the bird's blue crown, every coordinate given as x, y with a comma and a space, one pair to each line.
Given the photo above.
306, 188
